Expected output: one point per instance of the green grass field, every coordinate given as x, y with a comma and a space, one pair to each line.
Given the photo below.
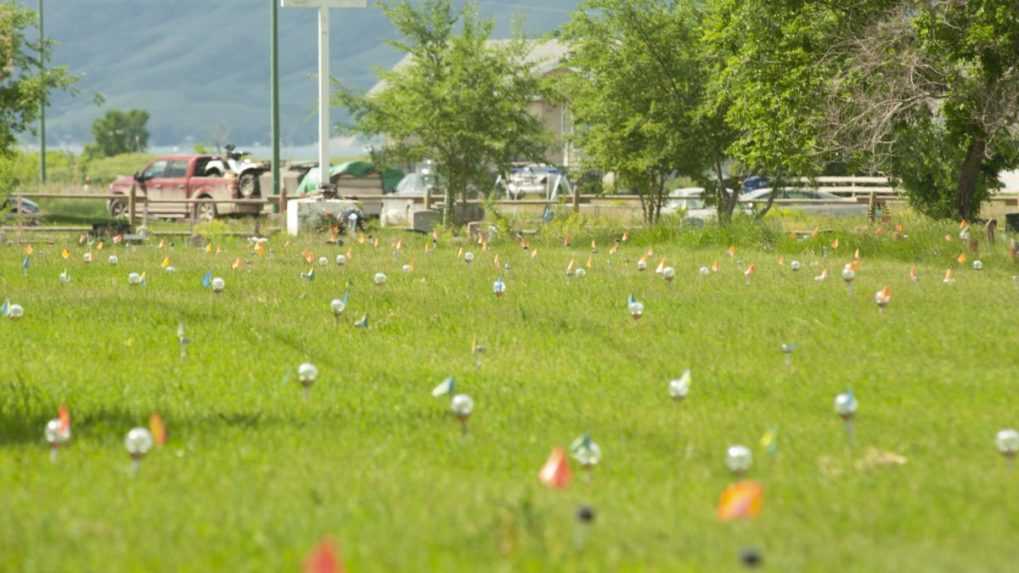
253, 476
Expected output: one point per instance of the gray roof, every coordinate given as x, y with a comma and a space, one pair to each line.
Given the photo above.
545, 55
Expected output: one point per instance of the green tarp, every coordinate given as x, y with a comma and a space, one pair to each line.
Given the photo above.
390, 177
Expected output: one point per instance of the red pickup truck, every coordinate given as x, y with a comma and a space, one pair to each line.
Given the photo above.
175, 177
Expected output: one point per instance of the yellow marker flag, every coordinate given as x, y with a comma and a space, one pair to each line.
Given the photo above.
856, 255
65, 254
781, 261
594, 246
534, 253
350, 255
165, 263
260, 249
661, 266
835, 244
590, 262
219, 249
569, 267
496, 262
158, 429
162, 243
376, 243
208, 248
715, 267
236, 264
626, 236
731, 251
28, 250
99, 246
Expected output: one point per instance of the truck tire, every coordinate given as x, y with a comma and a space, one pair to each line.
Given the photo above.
249, 185
118, 208
206, 209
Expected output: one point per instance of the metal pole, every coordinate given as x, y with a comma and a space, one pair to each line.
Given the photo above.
42, 102
275, 96
323, 96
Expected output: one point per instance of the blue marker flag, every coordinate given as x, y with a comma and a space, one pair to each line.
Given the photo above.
207, 279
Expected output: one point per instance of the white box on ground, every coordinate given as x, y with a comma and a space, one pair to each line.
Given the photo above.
304, 215
326, 3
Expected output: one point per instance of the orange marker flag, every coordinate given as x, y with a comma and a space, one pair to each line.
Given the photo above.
741, 500
650, 253
361, 239
750, 271
856, 265
835, 244
325, 558
556, 471
484, 246
309, 256
435, 236
260, 249
731, 251
594, 246
626, 236
963, 224
590, 262
375, 243
219, 249
566, 241
118, 239
65, 254
781, 261
948, 276
82, 238
236, 264
615, 247
65, 418
856, 255
158, 429
334, 233
961, 259
948, 238
913, 275
715, 267
350, 255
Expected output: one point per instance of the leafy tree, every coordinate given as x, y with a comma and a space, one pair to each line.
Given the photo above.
24, 84
927, 92
462, 102
120, 132
637, 94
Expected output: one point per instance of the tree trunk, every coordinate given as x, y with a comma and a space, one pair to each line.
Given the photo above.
969, 178
726, 201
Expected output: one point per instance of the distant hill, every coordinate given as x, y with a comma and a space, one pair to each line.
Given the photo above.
201, 67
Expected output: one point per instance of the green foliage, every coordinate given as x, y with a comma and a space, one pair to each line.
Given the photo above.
26, 80
462, 102
119, 132
637, 95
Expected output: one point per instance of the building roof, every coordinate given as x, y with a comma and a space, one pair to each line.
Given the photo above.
545, 55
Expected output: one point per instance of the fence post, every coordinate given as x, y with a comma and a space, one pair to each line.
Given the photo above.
283, 205
872, 207
17, 212
576, 199
428, 197
131, 207
193, 208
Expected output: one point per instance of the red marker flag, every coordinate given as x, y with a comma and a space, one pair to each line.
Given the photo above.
325, 558
741, 500
556, 471
65, 418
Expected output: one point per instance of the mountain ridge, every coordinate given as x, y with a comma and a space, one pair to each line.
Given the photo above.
201, 68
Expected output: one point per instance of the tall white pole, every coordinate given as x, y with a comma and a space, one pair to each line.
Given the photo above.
323, 95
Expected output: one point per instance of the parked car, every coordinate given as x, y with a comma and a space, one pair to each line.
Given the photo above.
827, 203
175, 177
28, 207
531, 179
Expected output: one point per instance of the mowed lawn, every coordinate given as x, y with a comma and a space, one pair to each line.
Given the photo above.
253, 476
